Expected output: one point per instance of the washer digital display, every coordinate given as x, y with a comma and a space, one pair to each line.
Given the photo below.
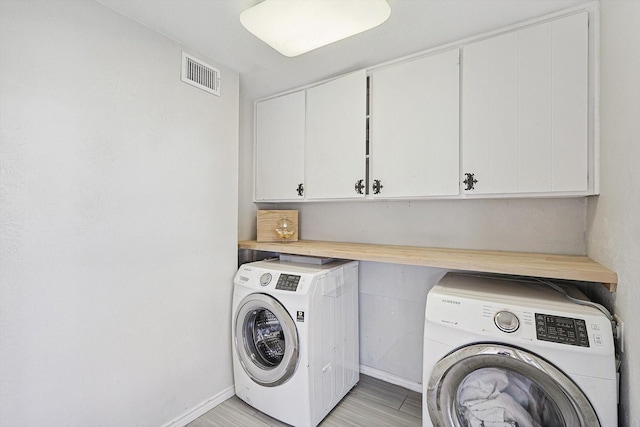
563, 330
288, 282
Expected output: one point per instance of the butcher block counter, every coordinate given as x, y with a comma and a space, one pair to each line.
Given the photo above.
552, 266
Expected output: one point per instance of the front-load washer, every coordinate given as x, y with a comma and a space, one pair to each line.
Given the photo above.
295, 337
515, 352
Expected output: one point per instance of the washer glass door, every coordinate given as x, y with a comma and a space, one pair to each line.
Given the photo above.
493, 384
266, 340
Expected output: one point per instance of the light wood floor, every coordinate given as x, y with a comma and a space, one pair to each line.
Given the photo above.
371, 403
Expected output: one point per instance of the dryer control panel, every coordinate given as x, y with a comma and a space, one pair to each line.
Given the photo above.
562, 330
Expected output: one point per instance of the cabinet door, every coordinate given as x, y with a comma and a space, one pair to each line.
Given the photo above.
414, 133
336, 137
524, 110
280, 135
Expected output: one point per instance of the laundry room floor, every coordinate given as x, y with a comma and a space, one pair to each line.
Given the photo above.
371, 403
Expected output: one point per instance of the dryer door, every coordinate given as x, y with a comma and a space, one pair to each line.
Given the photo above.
266, 340
494, 384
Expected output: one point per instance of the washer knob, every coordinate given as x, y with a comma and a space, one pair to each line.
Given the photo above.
265, 279
506, 321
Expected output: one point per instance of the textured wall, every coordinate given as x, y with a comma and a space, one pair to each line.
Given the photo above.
118, 222
614, 216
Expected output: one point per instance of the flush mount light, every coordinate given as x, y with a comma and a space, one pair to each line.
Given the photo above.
293, 27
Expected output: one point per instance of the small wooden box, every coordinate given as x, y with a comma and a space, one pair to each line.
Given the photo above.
267, 221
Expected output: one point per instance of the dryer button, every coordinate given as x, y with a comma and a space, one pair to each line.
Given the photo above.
265, 279
506, 321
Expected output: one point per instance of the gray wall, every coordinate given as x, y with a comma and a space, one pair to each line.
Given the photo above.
614, 216
118, 222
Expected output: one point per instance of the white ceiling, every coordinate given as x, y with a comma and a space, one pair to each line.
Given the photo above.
212, 28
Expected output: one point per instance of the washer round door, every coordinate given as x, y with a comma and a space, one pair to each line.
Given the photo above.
491, 383
266, 340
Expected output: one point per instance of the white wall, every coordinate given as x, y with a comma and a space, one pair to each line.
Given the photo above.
392, 301
118, 222
614, 216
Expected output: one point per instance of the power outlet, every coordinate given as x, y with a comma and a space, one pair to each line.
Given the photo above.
619, 334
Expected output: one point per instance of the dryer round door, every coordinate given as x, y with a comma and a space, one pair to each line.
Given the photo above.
266, 340
494, 383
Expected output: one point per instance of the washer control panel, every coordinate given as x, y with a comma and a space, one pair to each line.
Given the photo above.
288, 282
563, 330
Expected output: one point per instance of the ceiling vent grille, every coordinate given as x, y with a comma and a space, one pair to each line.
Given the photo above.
200, 75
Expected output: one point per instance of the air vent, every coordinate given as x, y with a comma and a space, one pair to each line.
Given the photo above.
201, 75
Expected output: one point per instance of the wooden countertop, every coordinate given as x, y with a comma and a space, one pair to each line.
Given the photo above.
569, 267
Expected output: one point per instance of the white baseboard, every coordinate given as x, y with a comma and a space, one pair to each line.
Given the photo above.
390, 378
225, 394
201, 409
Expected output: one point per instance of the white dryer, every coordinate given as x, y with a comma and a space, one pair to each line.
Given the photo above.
503, 352
295, 335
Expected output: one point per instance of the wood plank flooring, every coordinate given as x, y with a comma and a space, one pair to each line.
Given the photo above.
371, 403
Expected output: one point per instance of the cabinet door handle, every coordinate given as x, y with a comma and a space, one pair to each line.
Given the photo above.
359, 186
300, 190
377, 186
469, 182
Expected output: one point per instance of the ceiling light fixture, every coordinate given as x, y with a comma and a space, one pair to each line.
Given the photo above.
294, 27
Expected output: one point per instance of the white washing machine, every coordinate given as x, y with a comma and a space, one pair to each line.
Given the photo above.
505, 352
295, 334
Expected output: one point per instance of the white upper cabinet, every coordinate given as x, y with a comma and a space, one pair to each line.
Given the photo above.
512, 113
414, 128
280, 139
336, 138
525, 110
